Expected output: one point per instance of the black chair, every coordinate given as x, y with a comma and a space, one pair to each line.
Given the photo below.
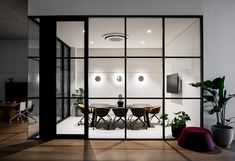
139, 113
102, 112
82, 109
154, 111
119, 113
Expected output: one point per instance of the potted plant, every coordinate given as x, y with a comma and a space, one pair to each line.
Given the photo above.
178, 123
79, 94
216, 94
120, 101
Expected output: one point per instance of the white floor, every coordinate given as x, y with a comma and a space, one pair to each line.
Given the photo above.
70, 126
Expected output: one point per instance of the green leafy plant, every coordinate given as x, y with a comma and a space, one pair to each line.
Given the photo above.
79, 94
179, 120
216, 93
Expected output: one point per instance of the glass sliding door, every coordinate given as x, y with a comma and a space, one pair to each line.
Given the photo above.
106, 77
70, 78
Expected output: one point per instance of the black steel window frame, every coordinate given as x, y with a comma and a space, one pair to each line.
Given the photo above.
87, 57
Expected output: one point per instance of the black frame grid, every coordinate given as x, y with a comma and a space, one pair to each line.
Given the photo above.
63, 68
47, 20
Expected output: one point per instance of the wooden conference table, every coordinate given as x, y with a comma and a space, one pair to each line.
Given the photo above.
8, 109
101, 105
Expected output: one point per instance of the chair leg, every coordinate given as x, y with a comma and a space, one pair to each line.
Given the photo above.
96, 122
114, 122
30, 115
21, 118
151, 117
80, 121
130, 117
16, 115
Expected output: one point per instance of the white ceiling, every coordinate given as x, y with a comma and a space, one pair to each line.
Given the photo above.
72, 33
13, 19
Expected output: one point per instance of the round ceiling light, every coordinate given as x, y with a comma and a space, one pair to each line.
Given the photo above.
114, 36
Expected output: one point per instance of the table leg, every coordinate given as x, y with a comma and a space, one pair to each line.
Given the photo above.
147, 118
93, 118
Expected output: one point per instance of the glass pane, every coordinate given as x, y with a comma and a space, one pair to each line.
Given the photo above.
152, 110
108, 110
70, 75
33, 35
66, 77
182, 37
66, 51
144, 37
73, 123
59, 72
33, 119
106, 77
59, 108
66, 108
144, 77
188, 71
189, 106
76, 75
72, 34
33, 77
106, 37
58, 49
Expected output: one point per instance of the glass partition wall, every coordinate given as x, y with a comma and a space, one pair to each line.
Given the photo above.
120, 83
33, 78
183, 58
70, 77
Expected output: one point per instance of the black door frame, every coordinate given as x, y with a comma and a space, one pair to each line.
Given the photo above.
47, 127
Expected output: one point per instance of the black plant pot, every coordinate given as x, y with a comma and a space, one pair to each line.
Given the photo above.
176, 131
120, 103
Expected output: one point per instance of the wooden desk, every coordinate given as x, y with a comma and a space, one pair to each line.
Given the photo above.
8, 110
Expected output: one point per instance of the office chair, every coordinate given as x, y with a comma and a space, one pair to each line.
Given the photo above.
82, 109
20, 113
138, 113
101, 113
154, 111
119, 113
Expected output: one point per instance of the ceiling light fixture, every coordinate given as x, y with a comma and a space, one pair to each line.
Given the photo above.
142, 42
115, 36
149, 31
91, 42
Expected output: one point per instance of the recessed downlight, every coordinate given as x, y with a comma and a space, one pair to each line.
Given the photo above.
91, 42
149, 31
142, 42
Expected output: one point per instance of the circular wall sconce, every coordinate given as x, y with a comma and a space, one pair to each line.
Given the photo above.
119, 78
141, 78
97, 78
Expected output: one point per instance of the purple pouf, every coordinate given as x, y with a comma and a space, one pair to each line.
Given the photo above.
196, 138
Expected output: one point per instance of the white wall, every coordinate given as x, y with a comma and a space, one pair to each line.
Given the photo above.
219, 51
218, 26
13, 62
